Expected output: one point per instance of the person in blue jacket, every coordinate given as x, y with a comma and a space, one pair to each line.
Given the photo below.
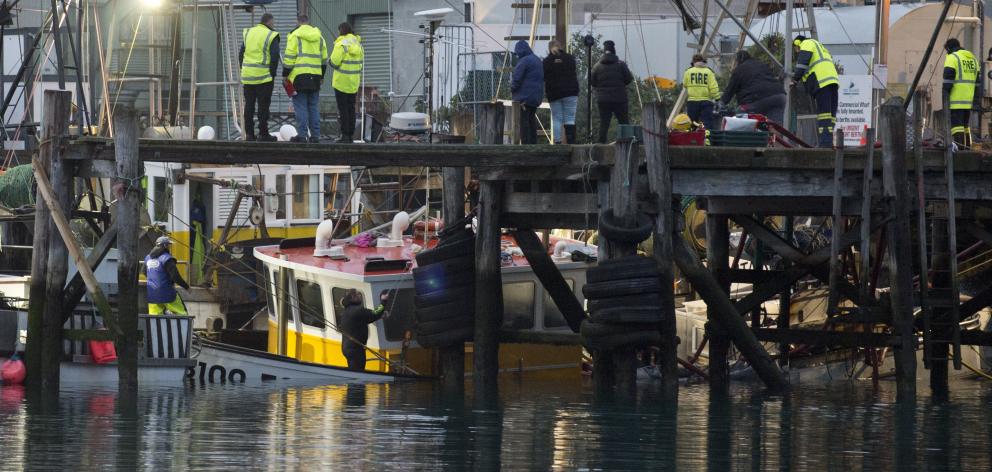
527, 87
162, 277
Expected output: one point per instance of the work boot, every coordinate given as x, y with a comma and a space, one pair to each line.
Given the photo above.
250, 137
298, 139
267, 138
313, 140
345, 140
570, 134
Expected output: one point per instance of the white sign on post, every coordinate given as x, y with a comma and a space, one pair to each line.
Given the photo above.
854, 107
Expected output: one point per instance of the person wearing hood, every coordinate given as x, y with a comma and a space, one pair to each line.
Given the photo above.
354, 325
610, 78
756, 87
162, 276
702, 92
562, 87
346, 60
304, 64
527, 87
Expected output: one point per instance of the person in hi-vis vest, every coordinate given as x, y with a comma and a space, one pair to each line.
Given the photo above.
961, 76
815, 68
304, 64
347, 58
259, 59
162, 276
702, 92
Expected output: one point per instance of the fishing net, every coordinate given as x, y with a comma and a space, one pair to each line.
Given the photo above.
17, 187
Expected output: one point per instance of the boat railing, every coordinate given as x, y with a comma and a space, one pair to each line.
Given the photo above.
162, 337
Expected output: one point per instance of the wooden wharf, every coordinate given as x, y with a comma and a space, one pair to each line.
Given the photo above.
526, 188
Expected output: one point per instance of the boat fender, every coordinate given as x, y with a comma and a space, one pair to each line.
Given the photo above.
12, 371
206, 133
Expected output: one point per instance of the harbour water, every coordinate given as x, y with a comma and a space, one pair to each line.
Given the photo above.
534, 426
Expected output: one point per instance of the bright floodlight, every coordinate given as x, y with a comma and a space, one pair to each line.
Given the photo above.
436, 14
152, 4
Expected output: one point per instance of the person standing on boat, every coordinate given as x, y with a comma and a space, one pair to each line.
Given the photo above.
346, 60
961, 77
610, 78
354, 326
162, 277
562, 87
527, 87
259, 59
815, 67
756, 87
702, 92
304, 64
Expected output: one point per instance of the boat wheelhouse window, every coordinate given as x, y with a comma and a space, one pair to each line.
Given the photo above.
518, 305
162, 195
337, 187
337, 294
280, 197
270, 300
399, 313
552, 315
311, 303
306, 197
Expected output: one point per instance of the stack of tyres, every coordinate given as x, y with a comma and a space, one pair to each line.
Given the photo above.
624, 294
444, 282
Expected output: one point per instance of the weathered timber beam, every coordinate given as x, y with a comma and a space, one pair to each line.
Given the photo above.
551, 279
727, 315
372, 155
808, 206
88, 335
979, 232
76, 287
539, 337
549, 220
748, 276
62, 224
976, 303
556, 203
825, 338
976, 337
452, 357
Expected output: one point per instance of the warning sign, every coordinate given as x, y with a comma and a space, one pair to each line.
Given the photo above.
854, 107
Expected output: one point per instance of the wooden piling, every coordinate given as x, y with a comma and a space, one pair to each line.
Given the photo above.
718, 261
129, 194
660, 181
452, 358
785, 299
623, 201
488, 278
50, 260
900, 258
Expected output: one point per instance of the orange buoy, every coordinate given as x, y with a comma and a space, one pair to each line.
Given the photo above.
12, 371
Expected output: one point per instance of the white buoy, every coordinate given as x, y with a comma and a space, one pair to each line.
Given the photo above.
206, 133
287, 132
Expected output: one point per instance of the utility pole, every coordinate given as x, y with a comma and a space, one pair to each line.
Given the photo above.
787, 115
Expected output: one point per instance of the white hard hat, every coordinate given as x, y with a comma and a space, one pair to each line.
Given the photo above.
206, 133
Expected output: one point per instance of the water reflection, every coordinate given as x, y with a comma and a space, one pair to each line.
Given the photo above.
532, 426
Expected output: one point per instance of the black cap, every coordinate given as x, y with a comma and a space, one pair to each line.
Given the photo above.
952, 44
610, 46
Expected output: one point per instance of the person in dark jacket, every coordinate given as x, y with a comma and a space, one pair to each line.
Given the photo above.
162, 276
756, 87
610, 78
354, 325
562, 87
527, 87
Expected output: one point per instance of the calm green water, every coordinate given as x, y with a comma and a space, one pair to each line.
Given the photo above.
536, 426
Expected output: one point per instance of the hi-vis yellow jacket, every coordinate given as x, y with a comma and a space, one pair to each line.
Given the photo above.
700, 84
346, 60
306, 52
814, 63
965, 75
257, 63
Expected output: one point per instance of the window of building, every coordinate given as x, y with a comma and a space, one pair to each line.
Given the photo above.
306, 197
399, 313
518, 305
162, 194
280, 199
552, 315
311, 303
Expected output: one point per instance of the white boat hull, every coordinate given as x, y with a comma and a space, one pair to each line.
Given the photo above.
218, 362
86, 373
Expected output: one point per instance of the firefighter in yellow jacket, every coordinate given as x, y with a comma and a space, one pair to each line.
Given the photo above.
961, 76
346, 60
304, 64
816, 69
702, 91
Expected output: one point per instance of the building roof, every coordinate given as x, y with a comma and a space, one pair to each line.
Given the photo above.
842, 25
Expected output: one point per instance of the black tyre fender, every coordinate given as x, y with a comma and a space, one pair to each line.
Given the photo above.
591, 329
430, 281
448, 266
440, 289
446, 311
630, 267
447, 338
647, 300
636, 340
443, 252
611, 229
440, 297
430, 328
627, 314
617, 288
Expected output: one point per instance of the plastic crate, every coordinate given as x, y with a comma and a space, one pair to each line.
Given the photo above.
739, 138
687, 138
